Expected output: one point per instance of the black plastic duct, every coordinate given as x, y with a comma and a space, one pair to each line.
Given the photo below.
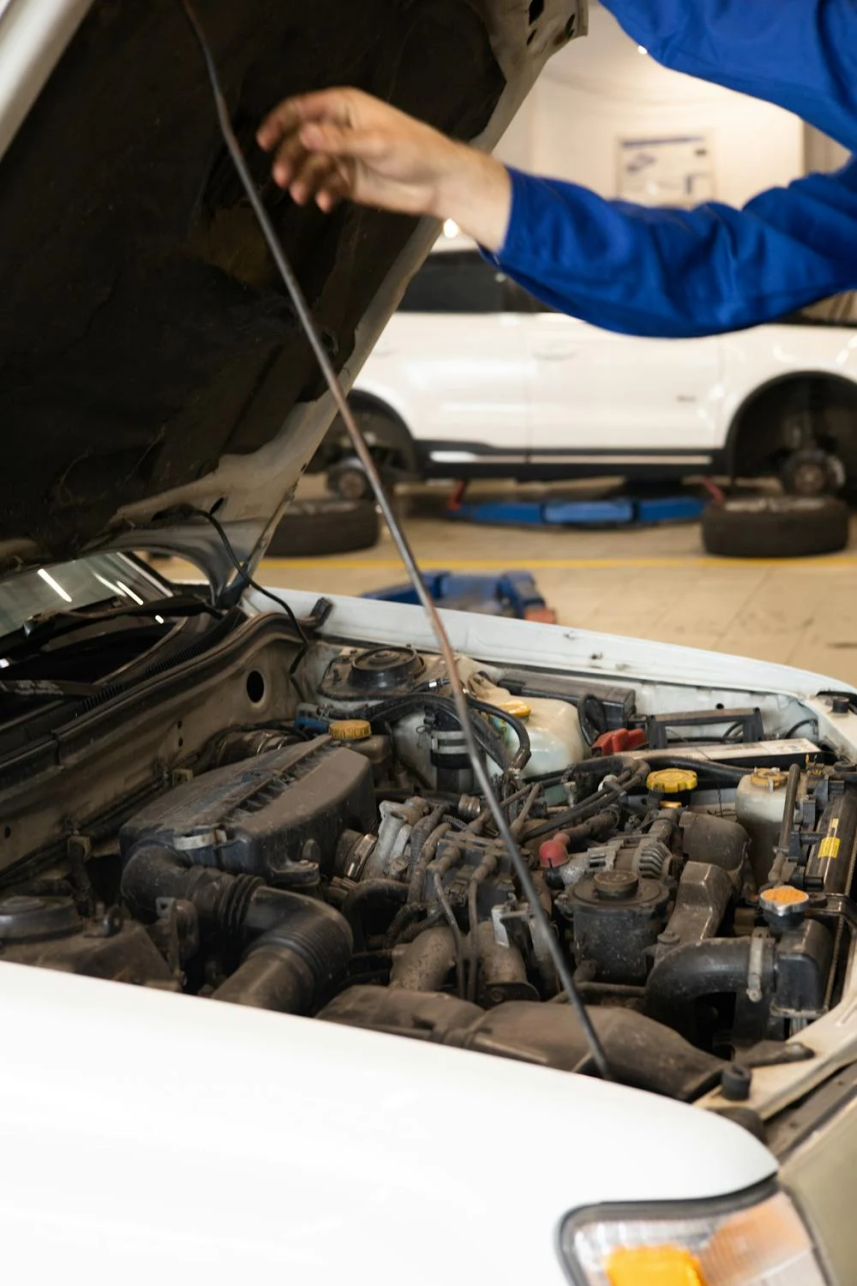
642, 1053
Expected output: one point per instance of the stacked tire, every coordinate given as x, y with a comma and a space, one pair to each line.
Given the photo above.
330, 525
775, 527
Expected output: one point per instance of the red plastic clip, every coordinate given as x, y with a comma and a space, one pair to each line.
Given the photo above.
619, 742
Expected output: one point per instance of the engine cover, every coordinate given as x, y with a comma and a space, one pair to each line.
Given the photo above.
278, 816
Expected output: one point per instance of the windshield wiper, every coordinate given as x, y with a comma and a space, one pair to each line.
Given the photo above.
50, 625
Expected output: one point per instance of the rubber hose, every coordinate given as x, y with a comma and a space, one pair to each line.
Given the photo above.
590, 807
517, 725
370, 891
716, 967
303, 945
607, 765
489, 742
295, 945
787, 825
704, 767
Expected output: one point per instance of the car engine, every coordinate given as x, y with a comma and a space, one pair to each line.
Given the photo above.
696, 867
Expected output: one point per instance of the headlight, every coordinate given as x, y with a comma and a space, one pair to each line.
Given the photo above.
723, 1243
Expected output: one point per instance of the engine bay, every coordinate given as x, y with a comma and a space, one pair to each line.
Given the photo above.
329, 855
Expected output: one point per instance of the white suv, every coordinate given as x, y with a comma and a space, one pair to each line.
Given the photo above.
473, 377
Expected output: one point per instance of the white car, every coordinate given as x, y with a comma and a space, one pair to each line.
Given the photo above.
473, 377
273, 1002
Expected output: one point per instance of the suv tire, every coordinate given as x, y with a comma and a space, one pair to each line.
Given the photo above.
775, 527
326, 526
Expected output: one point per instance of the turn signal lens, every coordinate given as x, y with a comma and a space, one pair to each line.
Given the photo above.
653, 1266
763, 1244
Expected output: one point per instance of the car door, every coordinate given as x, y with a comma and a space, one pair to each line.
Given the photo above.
454, 364
629, 400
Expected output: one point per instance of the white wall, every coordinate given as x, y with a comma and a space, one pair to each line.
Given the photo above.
822, 153
601, 89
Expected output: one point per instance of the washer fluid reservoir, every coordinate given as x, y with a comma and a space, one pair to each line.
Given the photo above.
553, 726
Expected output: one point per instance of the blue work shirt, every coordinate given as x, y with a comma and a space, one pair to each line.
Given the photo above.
676, 273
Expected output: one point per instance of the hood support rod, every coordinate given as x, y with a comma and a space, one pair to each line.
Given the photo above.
540, 921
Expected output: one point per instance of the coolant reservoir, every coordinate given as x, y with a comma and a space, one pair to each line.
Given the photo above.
553, 726
759, 806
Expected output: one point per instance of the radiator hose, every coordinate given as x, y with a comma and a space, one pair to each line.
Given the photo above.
715, 967
293, 946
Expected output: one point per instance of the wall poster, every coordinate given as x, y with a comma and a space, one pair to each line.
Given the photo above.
676, 171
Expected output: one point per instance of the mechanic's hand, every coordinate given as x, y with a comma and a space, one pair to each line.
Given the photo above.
342, 143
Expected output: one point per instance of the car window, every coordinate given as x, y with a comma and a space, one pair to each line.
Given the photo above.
69, 586
457, 282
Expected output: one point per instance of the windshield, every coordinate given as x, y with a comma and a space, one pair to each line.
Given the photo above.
70, 586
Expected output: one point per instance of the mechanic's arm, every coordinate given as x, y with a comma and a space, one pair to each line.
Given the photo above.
342, 143
800, 54
620, 266
676, 273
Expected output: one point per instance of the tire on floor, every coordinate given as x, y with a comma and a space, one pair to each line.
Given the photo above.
775, 526
325, 526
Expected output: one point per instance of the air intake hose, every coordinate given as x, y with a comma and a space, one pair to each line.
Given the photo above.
294, 946
715, 967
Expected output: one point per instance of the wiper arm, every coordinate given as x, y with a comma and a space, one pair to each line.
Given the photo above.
50, 625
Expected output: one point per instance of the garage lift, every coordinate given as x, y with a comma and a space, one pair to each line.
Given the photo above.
616, 511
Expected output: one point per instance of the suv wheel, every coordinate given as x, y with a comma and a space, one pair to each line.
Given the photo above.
348, 479
812, 473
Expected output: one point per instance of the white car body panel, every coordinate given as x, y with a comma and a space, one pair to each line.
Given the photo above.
187, 1142
543, 382
756, 357
460, 375
672, 666
597, 390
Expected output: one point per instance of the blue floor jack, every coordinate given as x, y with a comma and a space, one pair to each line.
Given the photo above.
513, 594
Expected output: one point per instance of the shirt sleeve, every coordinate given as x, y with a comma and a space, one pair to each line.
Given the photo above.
675, 273
799, 54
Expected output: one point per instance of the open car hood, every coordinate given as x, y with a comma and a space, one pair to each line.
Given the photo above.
150, 359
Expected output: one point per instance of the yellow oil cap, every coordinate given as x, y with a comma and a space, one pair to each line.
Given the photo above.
349, 729
672, 781
517, 709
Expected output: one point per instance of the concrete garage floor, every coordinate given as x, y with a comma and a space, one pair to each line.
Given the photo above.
654, 583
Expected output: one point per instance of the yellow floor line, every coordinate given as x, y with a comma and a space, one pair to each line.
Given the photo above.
559, 564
